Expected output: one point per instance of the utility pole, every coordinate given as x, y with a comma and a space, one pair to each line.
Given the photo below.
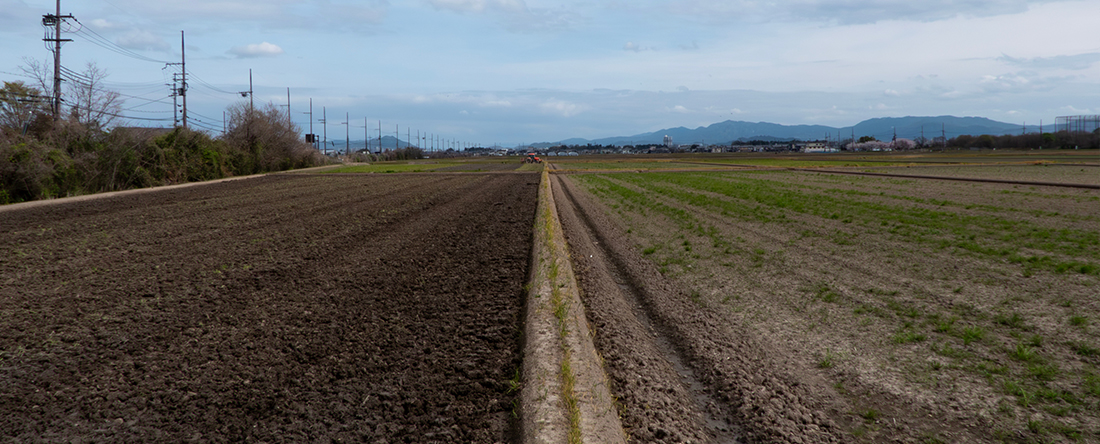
183, 68
366, 138
251, 107
251, 99
313, 138
380, 136
347, 134
324, 129
54, 20
288, 118
397, 136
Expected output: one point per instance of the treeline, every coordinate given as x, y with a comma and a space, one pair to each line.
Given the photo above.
41, 158
1058, 140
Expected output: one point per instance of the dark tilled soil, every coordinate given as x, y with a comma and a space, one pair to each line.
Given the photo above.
280, 309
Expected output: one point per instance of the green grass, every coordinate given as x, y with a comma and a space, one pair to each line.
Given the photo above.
766, 197
831, 214
971, 334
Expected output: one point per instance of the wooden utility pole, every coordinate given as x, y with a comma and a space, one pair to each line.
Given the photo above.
54, 20
183, 87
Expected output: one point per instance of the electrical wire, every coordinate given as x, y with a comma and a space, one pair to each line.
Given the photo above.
105, 43
208, 85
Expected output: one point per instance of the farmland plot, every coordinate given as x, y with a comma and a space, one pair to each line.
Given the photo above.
929, 310
287, 308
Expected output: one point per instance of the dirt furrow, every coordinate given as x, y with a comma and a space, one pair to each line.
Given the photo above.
661, 399
767, 403
360, 308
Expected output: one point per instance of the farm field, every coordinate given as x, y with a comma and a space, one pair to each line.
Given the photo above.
286, 308
731, 299
838, 308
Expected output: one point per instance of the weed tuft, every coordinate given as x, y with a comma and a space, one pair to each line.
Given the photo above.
1024, 353
971, 334
1015, 320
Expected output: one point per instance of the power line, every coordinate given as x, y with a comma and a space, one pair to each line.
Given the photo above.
105, 43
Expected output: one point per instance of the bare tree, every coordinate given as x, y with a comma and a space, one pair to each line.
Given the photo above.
269, 136
41, 73
91, 103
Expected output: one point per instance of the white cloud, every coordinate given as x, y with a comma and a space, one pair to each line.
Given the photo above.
679, 109
565, 109
516, 16
847, 12
478, 6
1072, 62
141, 39
634, 47
254, 50
891, 93
105, 25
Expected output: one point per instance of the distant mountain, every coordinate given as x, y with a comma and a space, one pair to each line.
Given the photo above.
880, 128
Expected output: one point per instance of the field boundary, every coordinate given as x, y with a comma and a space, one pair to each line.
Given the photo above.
565, 395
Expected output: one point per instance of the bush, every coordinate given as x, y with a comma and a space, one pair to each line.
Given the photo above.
69, 158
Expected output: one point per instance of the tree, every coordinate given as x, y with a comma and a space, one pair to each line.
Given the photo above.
19, 105
865, 139
267, 139
91, 103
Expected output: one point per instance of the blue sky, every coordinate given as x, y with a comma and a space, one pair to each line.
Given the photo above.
515, 71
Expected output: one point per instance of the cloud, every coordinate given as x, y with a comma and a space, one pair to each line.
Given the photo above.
1071, 62
679, 109
479, 6
565, 109
846, 12
891, 93
515, 15
693, 46
196, 15
264, 49
106, 25
634, 47
141, 39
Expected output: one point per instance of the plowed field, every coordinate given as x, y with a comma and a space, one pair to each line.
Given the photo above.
286, 308
814, 307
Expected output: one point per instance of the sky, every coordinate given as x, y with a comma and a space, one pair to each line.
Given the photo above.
484, 72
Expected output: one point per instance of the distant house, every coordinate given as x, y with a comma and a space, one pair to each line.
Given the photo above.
817, 147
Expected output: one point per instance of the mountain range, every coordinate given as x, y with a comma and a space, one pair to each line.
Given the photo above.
882, 128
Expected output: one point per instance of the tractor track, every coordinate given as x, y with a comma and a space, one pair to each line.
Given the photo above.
713, 380
644, 362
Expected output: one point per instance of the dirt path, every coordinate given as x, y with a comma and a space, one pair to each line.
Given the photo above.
278, 309
679, 372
